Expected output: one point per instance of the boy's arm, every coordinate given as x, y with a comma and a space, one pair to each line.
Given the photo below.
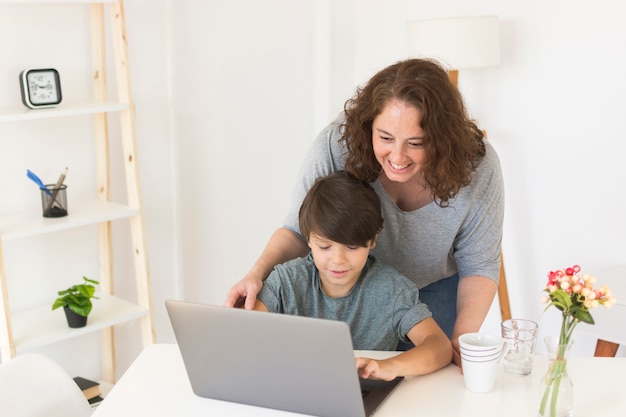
432, 351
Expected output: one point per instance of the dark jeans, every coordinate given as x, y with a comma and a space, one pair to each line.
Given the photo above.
440, 297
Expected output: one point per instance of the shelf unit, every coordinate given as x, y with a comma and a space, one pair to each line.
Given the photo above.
40, 326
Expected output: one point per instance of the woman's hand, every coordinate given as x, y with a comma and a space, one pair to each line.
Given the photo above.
456, 352
282, 246
243, 294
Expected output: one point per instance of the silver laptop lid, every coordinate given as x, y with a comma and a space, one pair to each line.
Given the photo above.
285, 362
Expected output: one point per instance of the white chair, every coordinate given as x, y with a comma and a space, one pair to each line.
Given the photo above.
33, 385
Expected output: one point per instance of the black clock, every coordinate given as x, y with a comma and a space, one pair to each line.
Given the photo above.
40, 88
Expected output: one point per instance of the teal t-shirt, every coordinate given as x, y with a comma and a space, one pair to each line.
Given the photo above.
380, 309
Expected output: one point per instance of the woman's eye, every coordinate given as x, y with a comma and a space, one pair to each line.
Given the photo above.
386, 138
416, 144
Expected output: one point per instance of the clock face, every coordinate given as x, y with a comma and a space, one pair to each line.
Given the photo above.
40, 87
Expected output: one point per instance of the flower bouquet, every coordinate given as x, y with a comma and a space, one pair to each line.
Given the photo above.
573, 294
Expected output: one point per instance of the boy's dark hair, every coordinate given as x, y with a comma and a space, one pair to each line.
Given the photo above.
341, 208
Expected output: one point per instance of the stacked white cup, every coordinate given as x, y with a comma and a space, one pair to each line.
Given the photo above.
480, 355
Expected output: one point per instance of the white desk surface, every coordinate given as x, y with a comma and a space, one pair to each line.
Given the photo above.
156, 384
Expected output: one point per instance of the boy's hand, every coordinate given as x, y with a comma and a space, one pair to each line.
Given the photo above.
373, 369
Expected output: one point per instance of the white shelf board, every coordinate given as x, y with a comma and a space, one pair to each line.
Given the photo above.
17, 114
82, 213
57, 1
41, 326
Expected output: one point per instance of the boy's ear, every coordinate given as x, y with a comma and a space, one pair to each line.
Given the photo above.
373, 242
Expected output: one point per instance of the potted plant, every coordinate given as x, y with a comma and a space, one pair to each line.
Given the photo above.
76, 301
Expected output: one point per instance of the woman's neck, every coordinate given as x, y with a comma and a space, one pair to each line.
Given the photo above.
408, 196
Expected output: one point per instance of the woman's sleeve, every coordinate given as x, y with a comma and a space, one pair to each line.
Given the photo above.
477, 247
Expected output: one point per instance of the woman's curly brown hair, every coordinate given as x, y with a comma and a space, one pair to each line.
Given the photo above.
453, 143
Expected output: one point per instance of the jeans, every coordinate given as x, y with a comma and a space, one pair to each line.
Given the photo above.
440, 297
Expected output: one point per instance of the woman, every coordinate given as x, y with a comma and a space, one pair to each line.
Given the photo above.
408, 133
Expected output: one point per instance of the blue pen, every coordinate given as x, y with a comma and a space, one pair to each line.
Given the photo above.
30, 174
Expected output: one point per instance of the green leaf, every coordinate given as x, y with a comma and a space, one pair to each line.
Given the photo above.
584, 316
90, 280
77, 297
82, 311
561, 299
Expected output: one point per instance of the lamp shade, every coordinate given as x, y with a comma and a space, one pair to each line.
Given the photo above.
463, 42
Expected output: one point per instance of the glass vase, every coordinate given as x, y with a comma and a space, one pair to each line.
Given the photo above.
557, 389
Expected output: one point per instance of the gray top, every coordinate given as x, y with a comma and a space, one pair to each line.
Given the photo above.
380, 309
431, 243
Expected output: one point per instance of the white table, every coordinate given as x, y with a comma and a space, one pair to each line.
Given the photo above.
156, 384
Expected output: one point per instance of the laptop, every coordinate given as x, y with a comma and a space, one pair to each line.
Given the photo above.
298, 364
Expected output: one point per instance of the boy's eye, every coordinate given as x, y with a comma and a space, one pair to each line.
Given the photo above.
324, 247
352, 247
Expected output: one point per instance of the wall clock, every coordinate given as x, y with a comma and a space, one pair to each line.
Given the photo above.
40, 88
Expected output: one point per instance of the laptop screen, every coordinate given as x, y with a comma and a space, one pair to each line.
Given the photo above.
291, 363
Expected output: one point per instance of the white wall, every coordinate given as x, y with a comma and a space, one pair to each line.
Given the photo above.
243, 86
229, 94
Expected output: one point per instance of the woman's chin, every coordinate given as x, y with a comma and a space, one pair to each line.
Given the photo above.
400, 175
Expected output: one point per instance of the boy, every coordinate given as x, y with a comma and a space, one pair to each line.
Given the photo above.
340, 218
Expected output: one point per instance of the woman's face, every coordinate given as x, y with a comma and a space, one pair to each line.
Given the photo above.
397, 141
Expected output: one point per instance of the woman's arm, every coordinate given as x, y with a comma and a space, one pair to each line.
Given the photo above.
323, 157
282, 246
474, 298
432, 351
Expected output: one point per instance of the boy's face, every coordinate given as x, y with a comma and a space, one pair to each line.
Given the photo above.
339, 265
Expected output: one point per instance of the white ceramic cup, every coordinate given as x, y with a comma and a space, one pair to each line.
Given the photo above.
481, 354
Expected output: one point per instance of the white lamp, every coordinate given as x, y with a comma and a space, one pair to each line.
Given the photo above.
462, 42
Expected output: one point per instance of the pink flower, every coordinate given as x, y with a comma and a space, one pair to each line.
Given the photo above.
574, 295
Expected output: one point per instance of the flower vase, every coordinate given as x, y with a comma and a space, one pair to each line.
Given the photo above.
557, 390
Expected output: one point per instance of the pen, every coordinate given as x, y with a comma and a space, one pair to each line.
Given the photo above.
57, 186
34, 178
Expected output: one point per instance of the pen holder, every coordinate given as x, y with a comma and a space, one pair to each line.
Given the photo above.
54, 200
